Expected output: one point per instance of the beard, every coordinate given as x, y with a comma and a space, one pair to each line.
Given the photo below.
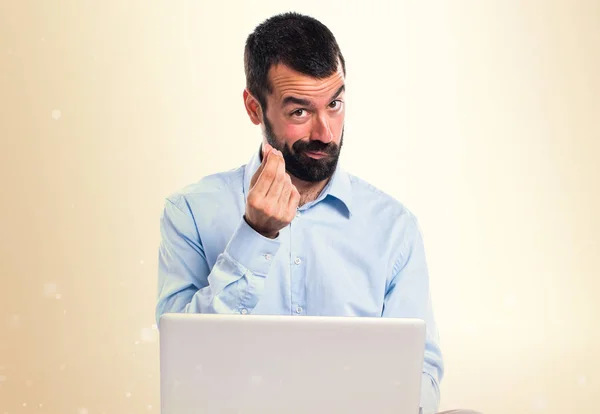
299, 164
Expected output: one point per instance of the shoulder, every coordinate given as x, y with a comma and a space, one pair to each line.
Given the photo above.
221, 185
395, 225
369, 199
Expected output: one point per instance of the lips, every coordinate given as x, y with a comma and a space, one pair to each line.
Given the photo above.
316, 154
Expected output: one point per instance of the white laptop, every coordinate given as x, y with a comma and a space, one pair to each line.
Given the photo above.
247, 364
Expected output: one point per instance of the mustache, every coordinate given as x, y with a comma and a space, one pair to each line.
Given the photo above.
316, 146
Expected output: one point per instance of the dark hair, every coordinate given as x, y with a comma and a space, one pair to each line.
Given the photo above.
295, 40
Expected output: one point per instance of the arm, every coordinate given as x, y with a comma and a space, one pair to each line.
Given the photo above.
408, 296
236, 281
185, 281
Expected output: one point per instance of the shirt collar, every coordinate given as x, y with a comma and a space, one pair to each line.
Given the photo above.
338, 187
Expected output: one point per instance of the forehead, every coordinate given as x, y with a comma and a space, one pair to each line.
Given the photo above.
287, 82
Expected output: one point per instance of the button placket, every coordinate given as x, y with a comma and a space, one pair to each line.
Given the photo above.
297, 263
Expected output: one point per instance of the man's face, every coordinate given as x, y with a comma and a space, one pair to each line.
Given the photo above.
305, 121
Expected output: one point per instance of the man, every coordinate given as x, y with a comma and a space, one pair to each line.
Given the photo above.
291, 232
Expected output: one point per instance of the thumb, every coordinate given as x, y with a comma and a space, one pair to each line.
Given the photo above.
266, 149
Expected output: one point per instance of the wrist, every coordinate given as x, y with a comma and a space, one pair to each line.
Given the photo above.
251, 251
269, 235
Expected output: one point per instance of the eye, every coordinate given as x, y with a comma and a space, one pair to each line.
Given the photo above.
298, 113
335, 104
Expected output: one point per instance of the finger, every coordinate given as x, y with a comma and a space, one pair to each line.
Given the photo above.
285, 192
267, 175
294, 199
275, 191
266, 149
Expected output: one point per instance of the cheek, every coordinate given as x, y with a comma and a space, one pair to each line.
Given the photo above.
294, 132
288, 131
337, 124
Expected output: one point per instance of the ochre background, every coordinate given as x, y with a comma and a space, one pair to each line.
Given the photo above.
482, 117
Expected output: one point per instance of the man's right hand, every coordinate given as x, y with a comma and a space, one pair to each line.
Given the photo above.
273, 199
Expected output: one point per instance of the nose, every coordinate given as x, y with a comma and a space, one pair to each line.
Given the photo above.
321, 130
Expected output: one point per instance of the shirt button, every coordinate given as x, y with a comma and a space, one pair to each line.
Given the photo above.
244, 311
267, 256
297, 213
299, 309
297, 261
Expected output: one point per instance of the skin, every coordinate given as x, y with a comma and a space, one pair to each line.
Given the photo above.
272, 203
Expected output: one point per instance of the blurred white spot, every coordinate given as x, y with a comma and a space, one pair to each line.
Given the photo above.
510, 301
72, 205
15, 321
49, 289
347, 368
56, 114
24, 404
58, 296
82, 411
148, 335
256, 379
43, 39
9, 51
540, 404
141, 262
149, 407
62, 367
41, 405
29, 383
128, 394
2, 378
199, 367
154, 326
64, 312
137, 342
582, 380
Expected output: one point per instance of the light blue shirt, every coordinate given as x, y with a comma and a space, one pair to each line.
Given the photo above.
354, 251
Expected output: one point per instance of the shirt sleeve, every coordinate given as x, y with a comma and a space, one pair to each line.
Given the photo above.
408, 296
186, 284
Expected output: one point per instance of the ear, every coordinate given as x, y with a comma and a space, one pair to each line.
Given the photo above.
252, 108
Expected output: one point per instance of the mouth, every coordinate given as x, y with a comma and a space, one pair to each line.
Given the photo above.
317, 155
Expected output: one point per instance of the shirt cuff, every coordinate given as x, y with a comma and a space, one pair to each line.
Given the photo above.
251, 250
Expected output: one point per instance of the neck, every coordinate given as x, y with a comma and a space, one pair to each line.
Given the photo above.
308, 191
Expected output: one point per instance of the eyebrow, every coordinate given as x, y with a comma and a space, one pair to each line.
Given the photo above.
305, 102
